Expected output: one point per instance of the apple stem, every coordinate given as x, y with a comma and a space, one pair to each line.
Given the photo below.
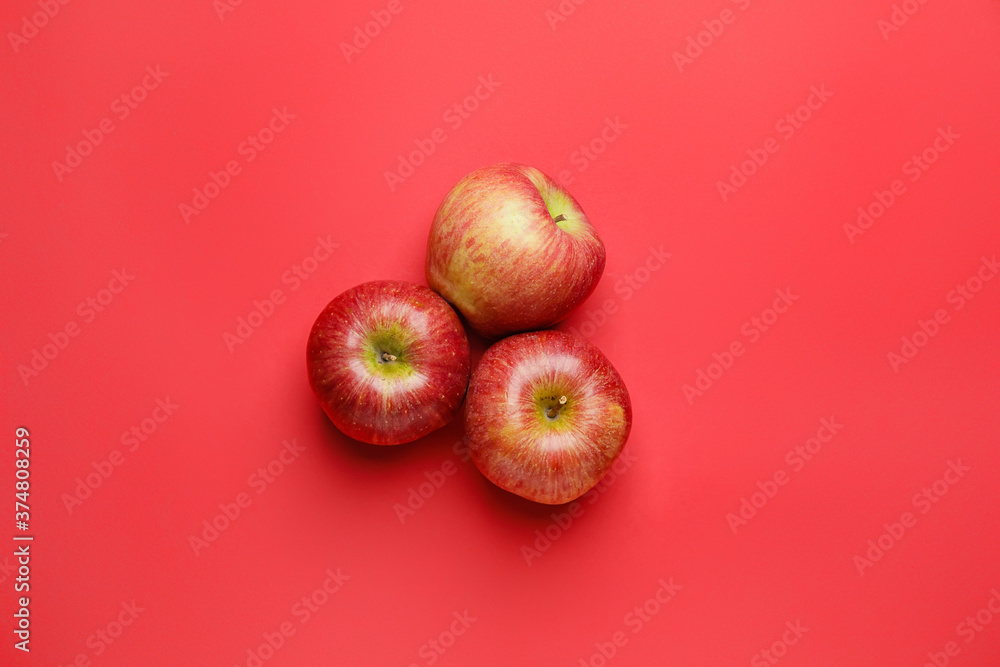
553, 411
388, 357
559, 218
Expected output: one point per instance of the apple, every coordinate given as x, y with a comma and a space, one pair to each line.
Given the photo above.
388, 361
512, 250
546, 415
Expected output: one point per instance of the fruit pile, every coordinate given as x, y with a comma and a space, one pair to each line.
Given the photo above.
546, 413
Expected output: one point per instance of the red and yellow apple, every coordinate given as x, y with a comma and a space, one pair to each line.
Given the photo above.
546, 415
388, 361
512, 250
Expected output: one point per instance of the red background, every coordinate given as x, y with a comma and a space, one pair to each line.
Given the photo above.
680, 129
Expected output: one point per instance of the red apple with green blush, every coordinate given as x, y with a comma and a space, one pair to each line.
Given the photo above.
512, 250
388, 362
546, 415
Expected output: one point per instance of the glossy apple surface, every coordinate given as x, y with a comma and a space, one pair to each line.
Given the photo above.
546, 415
512, 250
388, 361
